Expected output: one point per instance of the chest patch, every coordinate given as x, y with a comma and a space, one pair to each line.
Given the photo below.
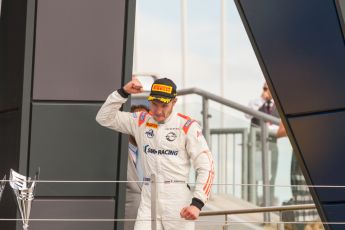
151, 125
171, 136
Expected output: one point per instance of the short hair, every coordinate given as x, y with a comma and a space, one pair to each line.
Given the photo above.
135, 107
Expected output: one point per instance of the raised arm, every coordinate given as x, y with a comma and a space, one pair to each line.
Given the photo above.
110, 115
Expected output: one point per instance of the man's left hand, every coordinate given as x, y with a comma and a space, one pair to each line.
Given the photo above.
190, 212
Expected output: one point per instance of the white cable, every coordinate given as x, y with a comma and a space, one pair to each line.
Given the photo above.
225, 184
178, 220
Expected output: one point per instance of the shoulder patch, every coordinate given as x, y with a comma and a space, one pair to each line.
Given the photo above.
142, 117
151, 125
184, 116
187, 125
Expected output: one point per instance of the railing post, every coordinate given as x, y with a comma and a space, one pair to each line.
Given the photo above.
245, 168
153, 202
280, 226
265, 168
225, 226
252, 190
205, 117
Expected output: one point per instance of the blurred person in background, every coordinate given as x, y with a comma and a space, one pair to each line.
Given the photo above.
134, 173
265, 104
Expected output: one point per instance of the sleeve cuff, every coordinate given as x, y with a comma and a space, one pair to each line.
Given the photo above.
197, 203
123, 93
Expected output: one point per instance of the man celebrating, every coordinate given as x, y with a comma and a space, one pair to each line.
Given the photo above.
168, 142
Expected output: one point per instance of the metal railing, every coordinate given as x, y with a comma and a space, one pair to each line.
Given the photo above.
206, 96
279, 209
155, 219
263, 130
262, 117
222, 136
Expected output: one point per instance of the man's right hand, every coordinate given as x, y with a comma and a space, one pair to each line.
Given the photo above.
133, 87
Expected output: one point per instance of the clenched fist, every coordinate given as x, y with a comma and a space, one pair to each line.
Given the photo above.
133, 87
190, 212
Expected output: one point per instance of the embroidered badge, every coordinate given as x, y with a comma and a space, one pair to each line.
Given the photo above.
187, 125
162, 88
149, 133
171, 136
151, 125
142, 117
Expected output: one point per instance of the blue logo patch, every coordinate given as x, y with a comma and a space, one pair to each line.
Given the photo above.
142, 116
149, 133
188, 123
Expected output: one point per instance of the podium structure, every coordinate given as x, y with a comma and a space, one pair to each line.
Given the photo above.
59, 60
300, 46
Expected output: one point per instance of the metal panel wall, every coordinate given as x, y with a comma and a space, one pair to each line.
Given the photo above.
67, 144
9, 146
58, 62
322, 151
304, 51
300, 47
73, 209
79, 49
12, 45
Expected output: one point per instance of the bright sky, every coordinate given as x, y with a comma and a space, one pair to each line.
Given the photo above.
158, 50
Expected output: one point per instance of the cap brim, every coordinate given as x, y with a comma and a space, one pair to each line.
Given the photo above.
159, 98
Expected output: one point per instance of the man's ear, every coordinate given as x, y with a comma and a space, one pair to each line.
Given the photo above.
174, 101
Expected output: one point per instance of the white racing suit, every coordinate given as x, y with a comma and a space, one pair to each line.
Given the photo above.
166, 151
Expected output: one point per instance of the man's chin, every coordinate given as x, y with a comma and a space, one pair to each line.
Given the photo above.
159, 119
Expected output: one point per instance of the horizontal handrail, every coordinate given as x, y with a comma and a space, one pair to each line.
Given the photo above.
234, 105
259, 210
228, 130
235, 131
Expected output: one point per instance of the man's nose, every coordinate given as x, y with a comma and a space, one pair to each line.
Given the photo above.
159, 111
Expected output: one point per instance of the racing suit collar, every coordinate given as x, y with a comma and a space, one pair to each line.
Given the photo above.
168, 118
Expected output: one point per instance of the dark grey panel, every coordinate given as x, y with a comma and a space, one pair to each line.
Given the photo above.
127, 76
12, 44
79, 49
301, 46
72, 209
27, 85
9, 152
68, 144
9, 141
335, 213
320, 138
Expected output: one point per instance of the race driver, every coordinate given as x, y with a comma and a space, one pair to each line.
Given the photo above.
168, 142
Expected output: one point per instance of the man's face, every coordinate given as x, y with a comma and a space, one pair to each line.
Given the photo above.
160, 110
266, 92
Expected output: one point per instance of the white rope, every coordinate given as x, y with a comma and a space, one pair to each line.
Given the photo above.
229, 222
78, 220
191, 183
